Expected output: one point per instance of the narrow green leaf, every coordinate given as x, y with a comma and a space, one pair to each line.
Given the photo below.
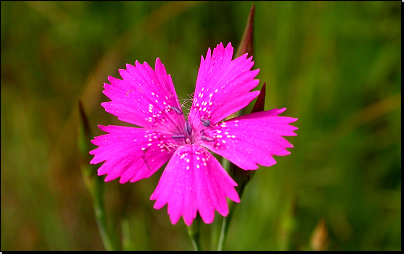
94, 184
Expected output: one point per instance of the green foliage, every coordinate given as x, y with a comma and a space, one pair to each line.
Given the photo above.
334, 65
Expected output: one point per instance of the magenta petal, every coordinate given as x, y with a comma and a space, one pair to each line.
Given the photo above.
194, 181
253, 138
223, 85
130, 153
144, 97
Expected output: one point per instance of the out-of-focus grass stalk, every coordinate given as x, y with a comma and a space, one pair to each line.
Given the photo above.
127, 243
241, 177
94, 184
319, 238
287, 223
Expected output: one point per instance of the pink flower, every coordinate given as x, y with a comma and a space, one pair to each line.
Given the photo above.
193, 179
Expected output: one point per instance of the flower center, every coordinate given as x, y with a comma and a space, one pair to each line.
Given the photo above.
187, 137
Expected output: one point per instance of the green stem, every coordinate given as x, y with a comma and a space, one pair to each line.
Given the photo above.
194, 233
225, 226
225, 220
242, 177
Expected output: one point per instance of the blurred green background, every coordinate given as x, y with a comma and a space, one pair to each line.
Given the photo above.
334, 65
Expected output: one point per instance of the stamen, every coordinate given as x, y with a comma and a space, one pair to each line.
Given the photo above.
177, 110
205, 122
207, 138
178, 136
188, 128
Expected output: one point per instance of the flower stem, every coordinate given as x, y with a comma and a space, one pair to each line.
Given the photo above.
242, 177
225, 226
194, 233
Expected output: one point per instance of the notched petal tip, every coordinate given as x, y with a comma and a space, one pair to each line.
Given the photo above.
103, 127
194, 181
112, 81
129, 66
208, 53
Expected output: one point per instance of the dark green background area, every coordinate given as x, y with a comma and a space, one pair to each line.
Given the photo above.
334, 65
